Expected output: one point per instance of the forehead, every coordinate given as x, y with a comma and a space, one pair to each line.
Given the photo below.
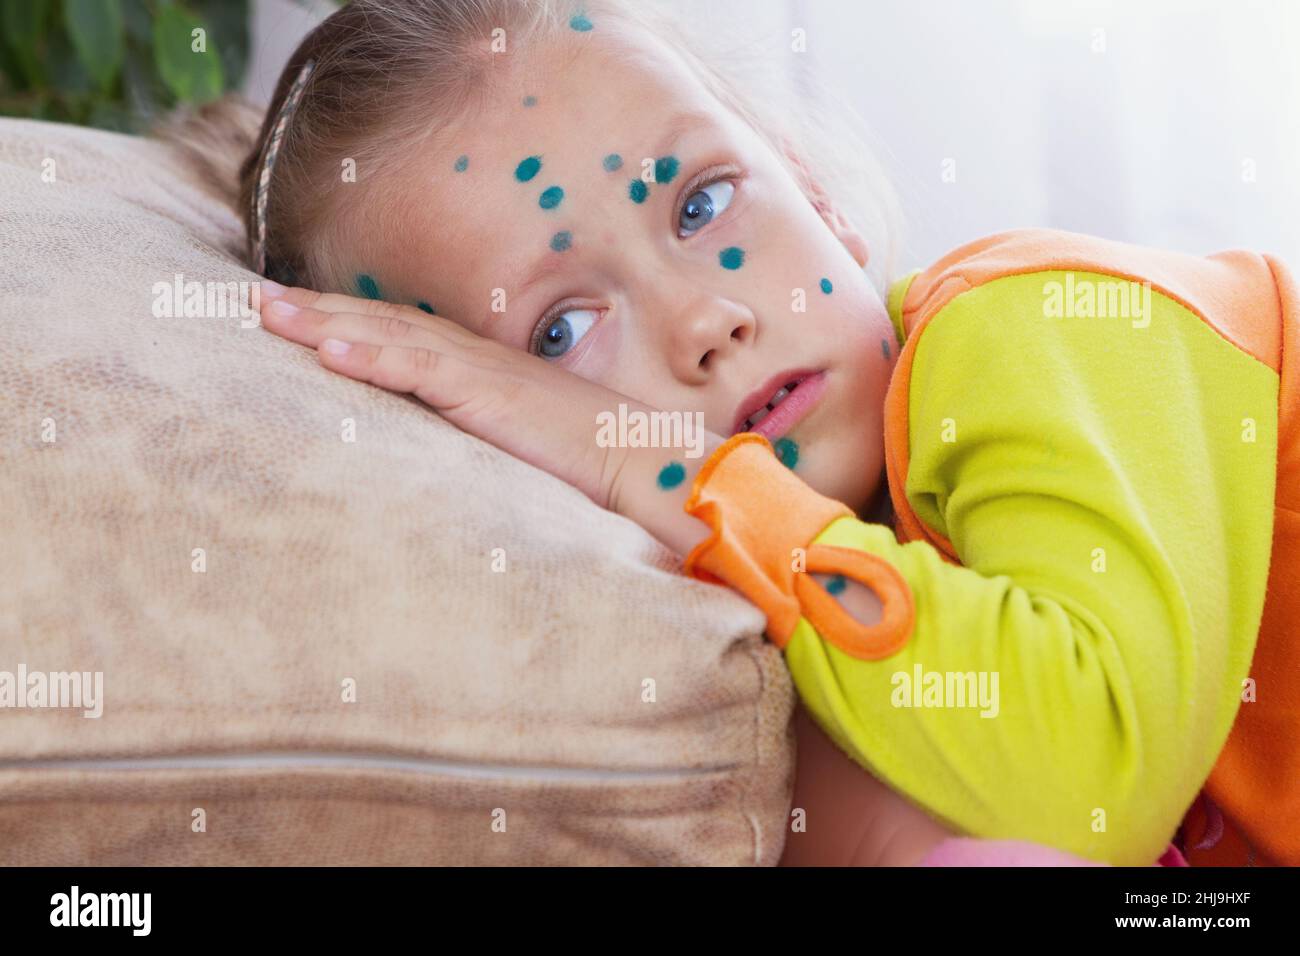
482, 219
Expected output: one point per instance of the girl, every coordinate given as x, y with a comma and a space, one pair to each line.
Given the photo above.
1067, 449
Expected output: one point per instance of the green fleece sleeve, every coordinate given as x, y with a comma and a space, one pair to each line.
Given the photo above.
1107, 486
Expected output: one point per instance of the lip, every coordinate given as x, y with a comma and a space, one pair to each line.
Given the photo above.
811, 383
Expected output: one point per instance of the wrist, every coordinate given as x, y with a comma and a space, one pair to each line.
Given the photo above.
650, 486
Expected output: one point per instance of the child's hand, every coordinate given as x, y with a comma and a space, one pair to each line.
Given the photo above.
524, 405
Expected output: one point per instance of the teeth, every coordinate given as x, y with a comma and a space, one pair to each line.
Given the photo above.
777, 398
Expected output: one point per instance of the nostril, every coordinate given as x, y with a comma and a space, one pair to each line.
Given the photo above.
738, 333
704, 360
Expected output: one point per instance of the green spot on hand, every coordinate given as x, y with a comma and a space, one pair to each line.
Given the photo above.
613, 162
580, 22
530, 101
462, 164
732, 257
367, 286
666, 169
787, 451
638, 191
425, 307
672, 475
884, 347
527, 169
551, 198
836, 585
826, 286
561, 241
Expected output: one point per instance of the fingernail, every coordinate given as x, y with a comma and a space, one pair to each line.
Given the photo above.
284, 308
272, 288
335, 347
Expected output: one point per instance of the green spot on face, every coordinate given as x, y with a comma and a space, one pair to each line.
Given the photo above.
561, 241
367, 286
732, 257
425, 307
551, 198
527, 169
672, 475
787, 451
826, 286
580, 23
884, 347
638, 191
613, 162
836, 585
666, 169
462, 164
530, 101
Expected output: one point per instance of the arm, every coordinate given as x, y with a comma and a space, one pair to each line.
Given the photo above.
1114, 529
850, 817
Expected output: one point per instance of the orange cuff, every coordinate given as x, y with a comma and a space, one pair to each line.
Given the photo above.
760, 513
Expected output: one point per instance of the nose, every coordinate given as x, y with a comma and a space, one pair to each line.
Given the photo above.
706, 330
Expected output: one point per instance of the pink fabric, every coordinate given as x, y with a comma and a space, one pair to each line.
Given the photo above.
1173, 857
968, 851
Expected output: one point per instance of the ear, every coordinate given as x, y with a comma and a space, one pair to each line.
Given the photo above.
850, 238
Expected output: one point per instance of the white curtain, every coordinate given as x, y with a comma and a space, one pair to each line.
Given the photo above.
1173, 123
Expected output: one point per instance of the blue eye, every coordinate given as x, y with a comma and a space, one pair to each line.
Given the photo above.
702, 205
564, 332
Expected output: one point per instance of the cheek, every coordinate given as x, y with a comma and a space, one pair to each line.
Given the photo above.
812, 276
867, 370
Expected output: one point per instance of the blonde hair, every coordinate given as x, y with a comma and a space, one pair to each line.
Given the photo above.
383, 66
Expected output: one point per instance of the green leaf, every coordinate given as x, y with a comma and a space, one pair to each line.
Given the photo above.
11, 73
139, 22
99, 34
66, 69
111, 116
192, 75
22, 23
23, 20
145, 94
227, 22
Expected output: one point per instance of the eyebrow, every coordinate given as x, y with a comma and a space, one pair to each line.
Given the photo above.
680, 124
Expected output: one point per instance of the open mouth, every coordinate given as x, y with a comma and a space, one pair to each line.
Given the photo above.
780, 403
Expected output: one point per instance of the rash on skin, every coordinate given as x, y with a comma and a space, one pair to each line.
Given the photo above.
787, 451
671, 475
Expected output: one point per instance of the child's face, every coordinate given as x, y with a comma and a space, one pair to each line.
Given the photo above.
658, 300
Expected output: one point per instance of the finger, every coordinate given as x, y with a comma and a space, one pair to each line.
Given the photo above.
271, 292
310, 327
337, 302
433, 377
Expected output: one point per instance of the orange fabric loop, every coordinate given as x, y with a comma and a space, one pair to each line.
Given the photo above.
760, 514
866, 642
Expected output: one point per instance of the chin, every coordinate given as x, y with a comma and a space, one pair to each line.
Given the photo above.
852, 487
856, 493
851, 471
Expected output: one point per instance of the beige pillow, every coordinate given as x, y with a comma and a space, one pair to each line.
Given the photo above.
129, 441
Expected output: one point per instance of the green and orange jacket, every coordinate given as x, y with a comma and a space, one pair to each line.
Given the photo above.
1092, 453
